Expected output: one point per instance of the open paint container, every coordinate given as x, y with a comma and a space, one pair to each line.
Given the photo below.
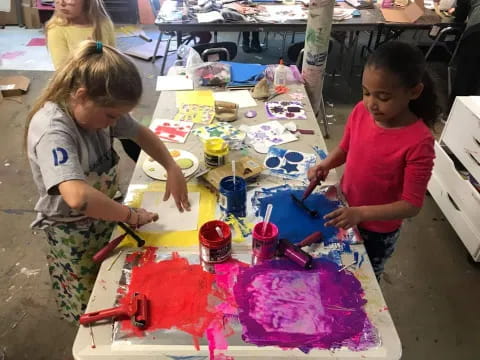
215, 150
233, 196
213, 248
264, 244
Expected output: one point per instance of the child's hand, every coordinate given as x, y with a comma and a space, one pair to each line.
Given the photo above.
141, 217
177, 187
344, 217
319, 172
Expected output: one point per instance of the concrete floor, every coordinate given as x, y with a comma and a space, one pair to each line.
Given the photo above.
431, 286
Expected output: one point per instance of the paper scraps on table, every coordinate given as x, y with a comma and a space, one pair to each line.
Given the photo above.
298, 96
233, 136
170, 219
262, 136
171, 131
241, 97
289, 164
197, 106
289, 110
174, 82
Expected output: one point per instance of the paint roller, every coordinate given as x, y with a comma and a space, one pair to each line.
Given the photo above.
311, 186
295, 253
136, 309
107, 249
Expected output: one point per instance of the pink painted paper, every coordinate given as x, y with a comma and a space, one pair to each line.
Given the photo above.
171, 131
37, 42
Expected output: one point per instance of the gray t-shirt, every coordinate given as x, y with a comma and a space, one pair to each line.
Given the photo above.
60, 150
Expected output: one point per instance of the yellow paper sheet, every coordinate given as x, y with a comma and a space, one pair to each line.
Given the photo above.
208, 203
197, 97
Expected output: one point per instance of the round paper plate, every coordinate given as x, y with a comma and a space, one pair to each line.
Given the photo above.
186, 160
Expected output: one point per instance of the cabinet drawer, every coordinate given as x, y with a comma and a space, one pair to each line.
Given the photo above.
469, 237
461, 190
462, 136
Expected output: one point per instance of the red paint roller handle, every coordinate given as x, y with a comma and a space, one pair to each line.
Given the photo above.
92, 317
313, 184
310, 239
105, 251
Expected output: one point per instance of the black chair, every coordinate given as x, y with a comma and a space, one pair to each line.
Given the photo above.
463, 69
445, 40
222, 51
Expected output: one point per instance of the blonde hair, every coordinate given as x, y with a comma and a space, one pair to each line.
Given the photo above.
96, 14
109, 77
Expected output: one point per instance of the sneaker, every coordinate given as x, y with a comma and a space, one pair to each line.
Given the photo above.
246, 47
255, 47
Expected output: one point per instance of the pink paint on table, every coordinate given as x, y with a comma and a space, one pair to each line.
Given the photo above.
37, 42
10, 55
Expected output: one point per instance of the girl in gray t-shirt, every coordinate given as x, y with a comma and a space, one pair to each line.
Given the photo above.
69, 140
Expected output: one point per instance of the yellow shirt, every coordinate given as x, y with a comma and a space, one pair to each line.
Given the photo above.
63, 39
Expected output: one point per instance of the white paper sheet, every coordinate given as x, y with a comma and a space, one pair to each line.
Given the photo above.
209, 17
174, 82
170, 219
241, 97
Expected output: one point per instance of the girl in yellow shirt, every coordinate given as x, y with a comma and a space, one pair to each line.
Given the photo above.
75, 21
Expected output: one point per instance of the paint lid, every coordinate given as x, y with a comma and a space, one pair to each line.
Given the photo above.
216, 146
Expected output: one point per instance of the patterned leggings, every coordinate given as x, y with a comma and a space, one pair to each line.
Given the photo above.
70, 263
380, 247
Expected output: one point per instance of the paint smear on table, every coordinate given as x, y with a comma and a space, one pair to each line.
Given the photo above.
177, 293
11, 55
293, 222
321, 308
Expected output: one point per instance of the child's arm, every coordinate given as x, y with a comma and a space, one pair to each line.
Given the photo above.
93, 203
176, 185
334, 159
351, 216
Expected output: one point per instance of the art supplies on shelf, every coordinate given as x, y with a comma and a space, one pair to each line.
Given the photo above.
171, 131
264, 135
285, 110
289, 164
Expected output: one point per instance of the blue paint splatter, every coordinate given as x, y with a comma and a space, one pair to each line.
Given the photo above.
187, 357
293, 222
362, 258
272, 162
320, 152
293, 156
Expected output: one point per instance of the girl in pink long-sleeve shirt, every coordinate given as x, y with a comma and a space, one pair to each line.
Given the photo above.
387, 149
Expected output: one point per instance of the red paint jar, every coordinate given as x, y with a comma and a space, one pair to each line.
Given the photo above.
214, 249
264, 245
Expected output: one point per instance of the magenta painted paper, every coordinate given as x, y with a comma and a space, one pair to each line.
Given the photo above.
320, 308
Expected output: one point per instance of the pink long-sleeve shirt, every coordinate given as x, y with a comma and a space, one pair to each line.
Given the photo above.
385, 165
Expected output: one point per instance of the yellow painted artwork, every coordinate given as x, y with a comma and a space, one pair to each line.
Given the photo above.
205, 210
197, 106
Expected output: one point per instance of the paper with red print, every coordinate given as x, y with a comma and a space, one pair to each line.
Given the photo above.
170, 130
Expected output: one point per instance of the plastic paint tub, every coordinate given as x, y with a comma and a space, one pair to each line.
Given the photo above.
214, 249
264, 246
215, 151
233, 196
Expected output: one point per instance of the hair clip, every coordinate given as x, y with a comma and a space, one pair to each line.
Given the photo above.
99, 47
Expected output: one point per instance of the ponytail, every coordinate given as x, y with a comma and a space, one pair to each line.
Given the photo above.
426, 105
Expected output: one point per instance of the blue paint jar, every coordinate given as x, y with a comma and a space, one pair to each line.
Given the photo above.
233, 197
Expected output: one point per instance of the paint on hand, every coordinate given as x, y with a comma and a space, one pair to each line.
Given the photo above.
278, 307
